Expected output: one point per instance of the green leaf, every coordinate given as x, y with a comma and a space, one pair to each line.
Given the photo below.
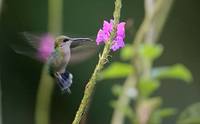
158, 115
117, 90
155, 118
177, 71
165, 112
151, 51
117, 70
127, 52
191, 115
147, 87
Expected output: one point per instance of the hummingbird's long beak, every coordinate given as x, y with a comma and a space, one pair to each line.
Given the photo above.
79, 41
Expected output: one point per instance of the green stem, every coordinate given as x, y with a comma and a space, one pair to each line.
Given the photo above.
102, 60
55, 14
123, 100
46, 85
149, 38
43, 100
1, 2
0, 102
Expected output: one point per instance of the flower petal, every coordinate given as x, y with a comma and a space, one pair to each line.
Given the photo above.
100, 37
121, 30
114, 47
117, 43
107, 27
106, 36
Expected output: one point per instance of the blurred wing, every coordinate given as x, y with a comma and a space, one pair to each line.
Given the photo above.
83, 52
35, 47
33, 40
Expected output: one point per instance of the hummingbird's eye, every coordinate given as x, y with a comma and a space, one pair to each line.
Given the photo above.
65, 40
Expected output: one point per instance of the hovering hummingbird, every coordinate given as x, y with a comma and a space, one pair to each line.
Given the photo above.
60, 57
56, 54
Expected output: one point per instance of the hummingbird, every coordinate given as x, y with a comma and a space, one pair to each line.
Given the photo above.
56, 53
59, 59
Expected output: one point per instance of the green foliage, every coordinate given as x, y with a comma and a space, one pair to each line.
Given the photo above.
148, 51
127, 110
127, 52
191, 115
117, 89
147, 87
117, 70
177, 71
158, 115
151, 51
166, 112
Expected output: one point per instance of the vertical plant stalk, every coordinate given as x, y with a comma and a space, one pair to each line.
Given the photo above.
158, 17
149, 10
149, 38
150, 34
118, 115
46, 84
0, 101
43, 101
55, 14
102, 61
1, 3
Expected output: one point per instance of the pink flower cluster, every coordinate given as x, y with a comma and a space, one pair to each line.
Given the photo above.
104, 34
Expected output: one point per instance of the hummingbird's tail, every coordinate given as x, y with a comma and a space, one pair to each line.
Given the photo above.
64, 81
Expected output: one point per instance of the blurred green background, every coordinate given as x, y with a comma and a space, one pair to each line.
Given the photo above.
20, 74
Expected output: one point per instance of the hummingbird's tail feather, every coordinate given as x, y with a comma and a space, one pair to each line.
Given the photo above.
64, 81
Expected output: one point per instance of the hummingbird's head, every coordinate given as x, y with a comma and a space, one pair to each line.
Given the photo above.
62, 40
71, 42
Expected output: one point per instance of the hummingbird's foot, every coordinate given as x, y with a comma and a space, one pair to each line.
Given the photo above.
64, 81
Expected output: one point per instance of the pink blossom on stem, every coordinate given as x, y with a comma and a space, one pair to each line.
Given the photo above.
104, 34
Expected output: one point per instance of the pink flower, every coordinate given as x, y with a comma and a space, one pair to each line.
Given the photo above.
121, 30
107, 27
100, 37
103, 35
46, 47
117, 43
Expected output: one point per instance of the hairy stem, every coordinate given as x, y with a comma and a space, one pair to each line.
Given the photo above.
102, 60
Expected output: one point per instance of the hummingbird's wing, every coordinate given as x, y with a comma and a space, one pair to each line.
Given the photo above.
83, 52
37, 47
